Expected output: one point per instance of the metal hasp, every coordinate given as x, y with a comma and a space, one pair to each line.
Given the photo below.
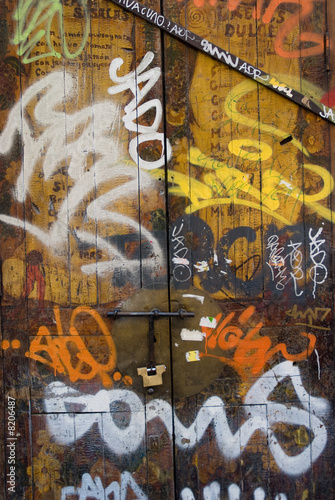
152, 373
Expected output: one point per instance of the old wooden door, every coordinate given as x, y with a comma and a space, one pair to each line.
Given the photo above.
139, 173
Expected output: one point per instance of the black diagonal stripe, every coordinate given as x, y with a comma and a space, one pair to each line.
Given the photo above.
227, 58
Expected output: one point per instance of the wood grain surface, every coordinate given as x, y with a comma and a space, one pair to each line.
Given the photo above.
137, 172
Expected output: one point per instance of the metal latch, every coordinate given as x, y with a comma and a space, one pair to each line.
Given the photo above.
152, 373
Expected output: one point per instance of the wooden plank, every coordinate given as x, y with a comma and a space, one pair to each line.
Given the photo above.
243, 410
231, 60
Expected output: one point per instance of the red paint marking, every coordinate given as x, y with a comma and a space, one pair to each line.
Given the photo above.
329, 98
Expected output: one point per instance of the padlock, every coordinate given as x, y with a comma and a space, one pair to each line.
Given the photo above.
152, 375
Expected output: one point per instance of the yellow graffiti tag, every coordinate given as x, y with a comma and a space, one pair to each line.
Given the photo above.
311, 316
274, 183
223, 179
224, 184
263, 150
230, 107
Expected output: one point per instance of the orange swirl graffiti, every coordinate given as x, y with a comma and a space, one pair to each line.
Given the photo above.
198, 20
58, 350
252, 351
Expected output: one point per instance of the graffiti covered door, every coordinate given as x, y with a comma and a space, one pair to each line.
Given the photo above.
84, 231
138, 173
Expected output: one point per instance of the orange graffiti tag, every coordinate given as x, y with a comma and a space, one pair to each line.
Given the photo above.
78, 363
251, 352
306, 9
5, 344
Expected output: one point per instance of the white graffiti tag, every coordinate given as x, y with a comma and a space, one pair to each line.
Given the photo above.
213, 492
54, 140
263, 413
278, 266
318, 272
94, 489
134, 111
181, 265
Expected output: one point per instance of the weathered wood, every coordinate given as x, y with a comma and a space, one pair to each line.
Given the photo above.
137, 172
231, 60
